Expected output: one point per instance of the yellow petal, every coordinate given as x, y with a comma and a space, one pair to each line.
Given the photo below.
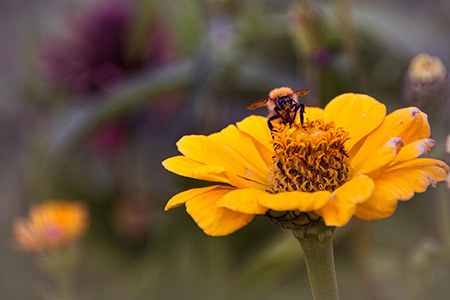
412, 124
409, 124
242, 168
237, 142
420, 173
256, 127
294, 200
414, 150
342, 205
243, 201
358, 114
182, 197
314, 113
381, 204
212, 219
184, 166
379, 157
400, 182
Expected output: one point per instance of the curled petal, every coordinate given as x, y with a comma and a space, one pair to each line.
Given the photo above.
183, 197
358, 114
421, 173
184, 166
342, 205
301, 201
230, 149
212, 219
414, 150
243, 201
416, 125
237, 142
409, 124
400, 182
379, 157
381, 204
257, 128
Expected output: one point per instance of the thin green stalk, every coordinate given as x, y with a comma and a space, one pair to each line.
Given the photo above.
344, 18
65, 287
318, 253
444, 221
60, 265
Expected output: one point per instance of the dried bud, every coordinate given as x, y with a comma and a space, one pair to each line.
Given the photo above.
447, 155
426, 68
425, 81
448, 181
447, 145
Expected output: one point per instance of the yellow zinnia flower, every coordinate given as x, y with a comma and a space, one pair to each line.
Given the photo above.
51, 225
348, 159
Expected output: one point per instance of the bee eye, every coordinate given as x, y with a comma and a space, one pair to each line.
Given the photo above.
281, 100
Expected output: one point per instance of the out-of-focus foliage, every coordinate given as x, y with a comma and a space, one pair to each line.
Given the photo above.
192, 66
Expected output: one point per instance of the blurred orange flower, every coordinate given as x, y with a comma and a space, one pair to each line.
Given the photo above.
346, 160
51, 225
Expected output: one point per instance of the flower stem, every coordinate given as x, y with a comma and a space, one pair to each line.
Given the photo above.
344, 19
318, 253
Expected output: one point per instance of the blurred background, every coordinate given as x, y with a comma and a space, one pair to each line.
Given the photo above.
95, 94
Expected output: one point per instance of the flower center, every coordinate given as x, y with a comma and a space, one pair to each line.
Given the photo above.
309, 158
53, 231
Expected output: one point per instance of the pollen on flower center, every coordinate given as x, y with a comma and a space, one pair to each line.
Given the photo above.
309, 158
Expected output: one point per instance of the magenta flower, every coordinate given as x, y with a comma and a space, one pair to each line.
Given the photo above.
93, 55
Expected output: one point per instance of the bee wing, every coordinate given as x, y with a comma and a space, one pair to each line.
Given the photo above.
258, 104
301, 92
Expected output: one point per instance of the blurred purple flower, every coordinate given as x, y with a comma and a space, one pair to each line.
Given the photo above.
108, 137
321, 56
92, 55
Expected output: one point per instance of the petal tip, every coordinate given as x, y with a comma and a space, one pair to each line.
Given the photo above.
426, 146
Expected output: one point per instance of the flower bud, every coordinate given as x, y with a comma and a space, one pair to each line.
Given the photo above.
425, 81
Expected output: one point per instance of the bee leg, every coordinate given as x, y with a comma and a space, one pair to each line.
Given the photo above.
269, 121
302, 112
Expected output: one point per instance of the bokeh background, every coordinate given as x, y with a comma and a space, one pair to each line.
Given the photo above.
95, 94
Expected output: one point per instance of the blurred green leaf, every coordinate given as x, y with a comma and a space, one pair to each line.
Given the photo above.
189, 24
78, 125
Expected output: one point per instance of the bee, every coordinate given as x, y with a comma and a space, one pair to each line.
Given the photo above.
283, 105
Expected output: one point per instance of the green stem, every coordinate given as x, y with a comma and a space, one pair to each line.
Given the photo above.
344, 17
59, 265
318, 253
65, 287
444, 222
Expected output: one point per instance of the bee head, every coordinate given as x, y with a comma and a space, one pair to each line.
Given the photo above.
281, 92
